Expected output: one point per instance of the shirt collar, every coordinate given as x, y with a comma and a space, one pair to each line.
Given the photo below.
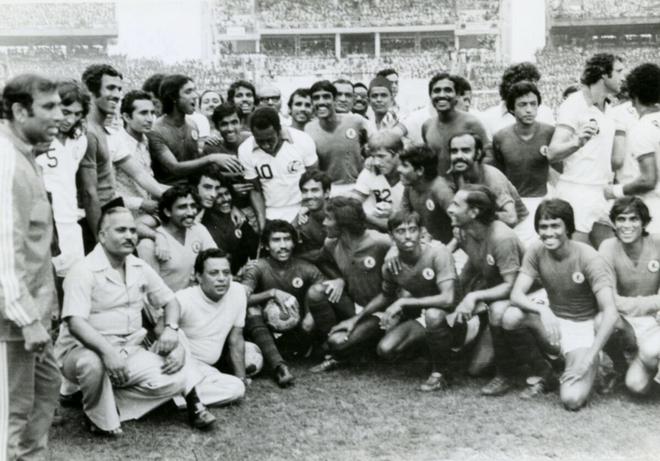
285, 134
98, 260
24, 148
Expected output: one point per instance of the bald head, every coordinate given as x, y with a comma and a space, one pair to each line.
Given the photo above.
269, 96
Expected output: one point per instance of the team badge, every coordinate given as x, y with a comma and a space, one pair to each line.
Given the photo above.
238, 233
297, 282
490, 260
369, 262
654, 265
655, 123
428, 273
351, 133
544, 151
294, 166
194, 134
578, 277
196, 246
430, 204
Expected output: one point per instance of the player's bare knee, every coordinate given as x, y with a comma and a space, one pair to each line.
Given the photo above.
496, 312
649, 352
573, 398
385, 350
307, 324
316, 293
434, 317
513, 318
637, 384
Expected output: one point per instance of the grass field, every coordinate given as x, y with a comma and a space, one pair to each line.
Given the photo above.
374, 411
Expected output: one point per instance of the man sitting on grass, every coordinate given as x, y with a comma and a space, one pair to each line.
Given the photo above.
579, 285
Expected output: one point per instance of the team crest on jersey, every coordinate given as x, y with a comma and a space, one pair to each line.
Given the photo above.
655, 123
194, 134
490, 260
369, 262
196, 246
428, 273
654, 265
430, 204
238, 233
297, 282
294, 166
351, 133
544, 151
578, 277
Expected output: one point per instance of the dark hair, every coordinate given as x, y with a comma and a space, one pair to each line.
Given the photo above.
569, 90
212, 171
21, 90
442, 76
302, 92
479, 152
199, 100
643, 83
597, 66
484, 200
387, 72
342, 81
113, 210
170, 196
223, 110
521, 89
168, 93
555, 208
278, 225
348, 214
209, 253
323, 85
462, 85
315, 175
631, 204
361, 85
265, 117
130, 98
93, 75
517, 73
402, 216
72, 91
420, 156
240, 84
152, 84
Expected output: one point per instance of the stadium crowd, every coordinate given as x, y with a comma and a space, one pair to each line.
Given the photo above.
605, 9
199, 238
57, 15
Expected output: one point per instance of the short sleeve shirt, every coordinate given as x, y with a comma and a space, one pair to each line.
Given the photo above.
571, 283
645, 139
207, 323
640, 279
625, 117
178, 270
96, 292
295, 278
312, 234
279, 174
504, 191
360, 265
378, 189
435, 265
592, 163
340, 151
498, 255
523, 161
183, 141
431, 203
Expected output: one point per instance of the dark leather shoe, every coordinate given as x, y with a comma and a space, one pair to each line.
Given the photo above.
283, 376
200, 417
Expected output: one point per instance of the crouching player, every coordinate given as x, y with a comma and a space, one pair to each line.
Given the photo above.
579, 285
212, 318
635, 257
294, 284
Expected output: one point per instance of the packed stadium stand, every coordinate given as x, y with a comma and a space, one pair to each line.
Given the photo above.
605, 9
57, 15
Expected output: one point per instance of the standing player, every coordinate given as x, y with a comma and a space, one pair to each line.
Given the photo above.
152, 85
425, 192
379, 188
583, 141
381, 101
300, 108
338, 138
274, 159
29, 376
644, 140
635, 257
579, 285
393, 76
449, 121
180, 235
315, 190
243, 95
360, 99
344, 98
520, 151
59, 166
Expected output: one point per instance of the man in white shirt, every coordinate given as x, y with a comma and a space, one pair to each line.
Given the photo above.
275, 158
583, 140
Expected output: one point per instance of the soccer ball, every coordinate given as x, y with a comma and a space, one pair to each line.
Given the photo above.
254, 361
280, 319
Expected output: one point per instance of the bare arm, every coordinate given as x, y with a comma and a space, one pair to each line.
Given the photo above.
129, 166
508, 214
259, 205
566, 141
90, 198
237, 351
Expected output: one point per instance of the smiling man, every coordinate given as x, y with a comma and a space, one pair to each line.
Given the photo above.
345, 96
179, 235
339, 138
448, 121
242, 94
300, 108
315, 189
581, 313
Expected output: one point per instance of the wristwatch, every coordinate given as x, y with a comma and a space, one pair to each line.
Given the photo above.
173, 326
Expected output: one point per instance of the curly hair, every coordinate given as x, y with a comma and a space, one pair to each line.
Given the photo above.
517, 73
598, 65
93, 75
643, 83
348, 214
